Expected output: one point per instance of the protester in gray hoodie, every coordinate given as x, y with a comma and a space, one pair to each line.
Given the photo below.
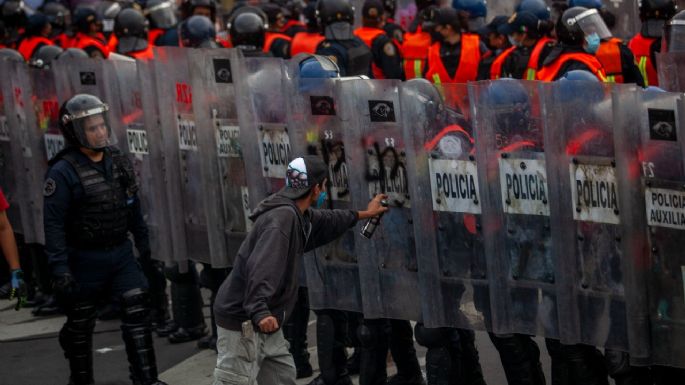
259, 294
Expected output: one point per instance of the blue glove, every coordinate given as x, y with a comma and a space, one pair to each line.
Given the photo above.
19, 290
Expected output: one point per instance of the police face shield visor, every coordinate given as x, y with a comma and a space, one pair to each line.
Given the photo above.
91, 128
162, 15
591, 22
675, 36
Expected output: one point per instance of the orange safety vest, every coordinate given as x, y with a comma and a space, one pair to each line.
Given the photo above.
271, 37
63, 40
468, 62
609, 54
549, 73
29, 45
368, 35
414, 50
153, 35
305, 42
112, 42
83, 41
641, 47
144, 54
533, 61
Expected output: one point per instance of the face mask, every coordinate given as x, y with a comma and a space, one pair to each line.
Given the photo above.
513, 41
592, 43
321, 199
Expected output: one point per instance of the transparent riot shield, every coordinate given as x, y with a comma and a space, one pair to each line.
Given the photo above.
11, 160
446, 205
264, 136
650, 153
134, 120
315, 129
376, 157
671, 70
515, 210
35, 114
178, 128
587, 210
222, 169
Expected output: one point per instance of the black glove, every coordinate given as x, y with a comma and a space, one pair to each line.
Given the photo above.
64, 285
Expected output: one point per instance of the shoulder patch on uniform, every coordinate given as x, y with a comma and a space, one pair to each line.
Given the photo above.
49, 187
389, 49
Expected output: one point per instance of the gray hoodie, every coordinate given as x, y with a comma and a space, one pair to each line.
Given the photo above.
264, 281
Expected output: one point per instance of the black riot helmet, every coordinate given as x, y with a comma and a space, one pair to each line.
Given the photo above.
45, 55
198, 32
10, 54
131, 30
190, 8
248, 29
84, 17
674, 33
83, 122
36, 24
568, 30
654, 14
58, 15
334, 11
161, 13
275, 14
13, 12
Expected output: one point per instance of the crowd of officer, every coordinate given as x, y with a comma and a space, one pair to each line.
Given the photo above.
444, 43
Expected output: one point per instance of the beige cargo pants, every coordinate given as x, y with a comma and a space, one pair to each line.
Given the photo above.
256, 358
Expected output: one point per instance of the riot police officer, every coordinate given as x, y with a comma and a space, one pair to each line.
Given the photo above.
60, 18
198, 32
89, 37
162, 17
645, 45
387, 60
38, 31
351, 55
576, 48
248, 31
131, 31
308, 40
276, 42
90, 206
418, 39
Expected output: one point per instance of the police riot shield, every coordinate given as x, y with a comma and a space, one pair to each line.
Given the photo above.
264, 136
134, 120
671, 70
222, 166
650, 148
11, 160
178, 128
36, 113
375, 151
446, 205
515, 210
587, 209
315, 129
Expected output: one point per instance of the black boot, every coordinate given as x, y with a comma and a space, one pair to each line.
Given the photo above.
373, 337
404, 354
520, 358
137, 336
618, 365
76, 338
187, 305
331, 337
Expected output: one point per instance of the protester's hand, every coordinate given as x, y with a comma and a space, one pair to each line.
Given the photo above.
268, 324
376, 207
19, 290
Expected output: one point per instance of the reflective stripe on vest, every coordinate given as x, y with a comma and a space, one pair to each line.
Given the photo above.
469, 59
496, 67
609, 54
271, 37
549, 73
29, 45
641, 47
534, 61
414, 50
305, 42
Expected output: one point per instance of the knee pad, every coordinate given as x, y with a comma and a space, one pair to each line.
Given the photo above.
429, 337
135, 305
